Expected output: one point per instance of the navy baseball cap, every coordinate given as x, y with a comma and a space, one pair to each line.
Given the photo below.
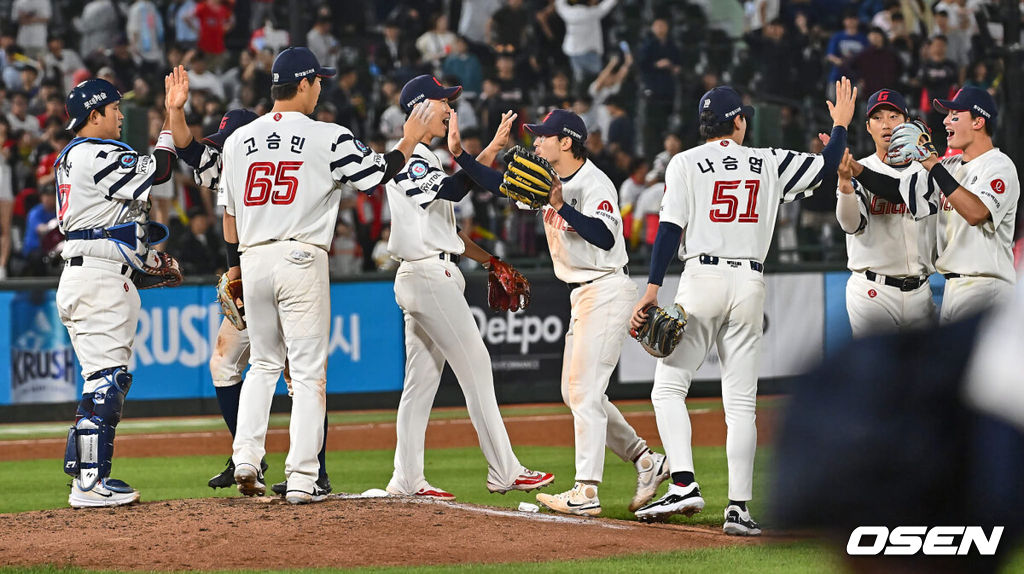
88, 96
725, 103
974, 100
891, 98
561, 122
231, 121
294, 64
426, 87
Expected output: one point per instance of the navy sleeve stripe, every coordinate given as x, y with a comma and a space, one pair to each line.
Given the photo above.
341, 139
413, 191
401, 177
799, 173
104, 172
364, 173
117, 185
785, 162
101, 154
342, 162
144, 186
209, 164
913, 196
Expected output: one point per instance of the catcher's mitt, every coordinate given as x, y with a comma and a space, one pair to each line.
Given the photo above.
662, 330
507, 288
162, 272
227, 292
527, 177
911, 141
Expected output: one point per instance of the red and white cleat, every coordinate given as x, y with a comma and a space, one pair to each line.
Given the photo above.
526, 481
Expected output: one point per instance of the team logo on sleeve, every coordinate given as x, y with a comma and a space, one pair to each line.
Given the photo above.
418, 169
362, 147
127, 160
998, 186
605, 206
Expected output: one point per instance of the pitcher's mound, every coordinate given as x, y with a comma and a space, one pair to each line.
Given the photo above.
343, 531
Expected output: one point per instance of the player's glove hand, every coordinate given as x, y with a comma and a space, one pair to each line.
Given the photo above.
507, 288
527, 177
662, 329
229, 295
160, 270
911, 141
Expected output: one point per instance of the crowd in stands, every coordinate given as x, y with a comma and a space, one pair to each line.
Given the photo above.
633, 69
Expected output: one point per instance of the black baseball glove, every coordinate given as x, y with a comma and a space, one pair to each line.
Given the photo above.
527, 177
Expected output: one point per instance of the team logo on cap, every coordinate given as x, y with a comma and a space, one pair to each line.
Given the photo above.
981, 111
418, 169
223, 122
707, 103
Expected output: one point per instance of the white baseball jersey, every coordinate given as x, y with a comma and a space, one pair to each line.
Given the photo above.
421, 227
726, 196
281, 173
982, 250
575, 259
100, 184
890, 241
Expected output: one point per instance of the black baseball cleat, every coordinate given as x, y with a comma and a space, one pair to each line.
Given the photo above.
684, 500
738, 522
226, 477
323, 484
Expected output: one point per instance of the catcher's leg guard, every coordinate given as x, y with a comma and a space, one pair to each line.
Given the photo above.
90, 445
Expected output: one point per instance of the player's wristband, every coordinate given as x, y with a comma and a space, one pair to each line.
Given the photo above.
946, 182
166, 142
233, 259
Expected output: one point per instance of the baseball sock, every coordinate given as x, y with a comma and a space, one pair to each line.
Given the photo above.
682, 478
228, 398
322, 457
742, 504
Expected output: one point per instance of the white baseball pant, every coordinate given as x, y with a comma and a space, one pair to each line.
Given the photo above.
230, 355
287, 294
725, 306
593, 343
439, 327
875, 308
100, 306
964, 297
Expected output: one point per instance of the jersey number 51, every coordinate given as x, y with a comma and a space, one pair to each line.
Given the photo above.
724, 203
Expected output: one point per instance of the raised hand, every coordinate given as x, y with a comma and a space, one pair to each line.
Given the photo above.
454, 137
846, 166
504, 130
846, 99
418, 124
176, 88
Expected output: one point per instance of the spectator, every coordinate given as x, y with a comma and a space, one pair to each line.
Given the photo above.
436, 44
198, 252
843, 47
508, 26
758, 13
19, 118
958, 43
584, 38
122, 64
346, 256
978, 76
6, 198
465, 66
146, 34
101, 21
270, 37
349, 101
629, 192
213, 20
938, 78
672, 144
659, 64
620, 129
475, 16
381, 255
386, 54
32, 17
200, 77
773, 51
816, 224
42, 236
186, 28
647, 216
29, 74
883, 19
45, 174
607, 84
558, 95
60, 64
321, 42
878, 66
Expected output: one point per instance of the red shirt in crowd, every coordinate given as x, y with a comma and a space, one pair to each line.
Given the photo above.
213, 24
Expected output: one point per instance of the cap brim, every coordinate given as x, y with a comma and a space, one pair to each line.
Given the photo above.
944, 106
451, 94
894, 107
216, 139
327, 72
748, 111
541, 130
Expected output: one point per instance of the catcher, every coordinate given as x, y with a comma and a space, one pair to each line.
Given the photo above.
584, 230
103, 189
231, 352
439, 326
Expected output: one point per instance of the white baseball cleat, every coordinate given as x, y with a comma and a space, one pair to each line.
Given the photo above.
739, 523
303, 497
106, 492
684, 500
581, 500
651, 471
249, 479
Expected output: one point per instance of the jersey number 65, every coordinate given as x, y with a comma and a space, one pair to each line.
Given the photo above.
259, 187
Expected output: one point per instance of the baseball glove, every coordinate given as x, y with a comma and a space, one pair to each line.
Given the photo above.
527, 177
662, 330
911, 141
228, 291
507, 288
163, 272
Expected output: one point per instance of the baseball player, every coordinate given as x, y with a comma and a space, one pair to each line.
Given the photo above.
281, 177
890, 253
976, 209
721, 199
439, 326
231, 351
584, 232
103, 206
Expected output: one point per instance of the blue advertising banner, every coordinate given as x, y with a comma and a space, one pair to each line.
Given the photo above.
175, 338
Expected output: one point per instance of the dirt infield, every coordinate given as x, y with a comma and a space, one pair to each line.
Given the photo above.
238, 533
543, 430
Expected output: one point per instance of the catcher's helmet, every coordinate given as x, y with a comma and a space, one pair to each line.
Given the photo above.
88, 96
